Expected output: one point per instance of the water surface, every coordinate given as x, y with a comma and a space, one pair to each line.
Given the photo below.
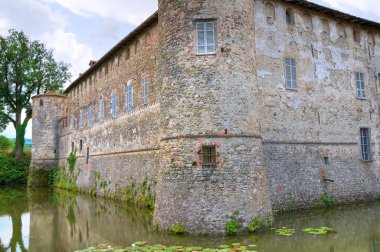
46, 220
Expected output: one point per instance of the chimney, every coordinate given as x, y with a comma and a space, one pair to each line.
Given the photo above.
92, 62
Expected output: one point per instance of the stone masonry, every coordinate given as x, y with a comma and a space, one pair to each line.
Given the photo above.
153, 108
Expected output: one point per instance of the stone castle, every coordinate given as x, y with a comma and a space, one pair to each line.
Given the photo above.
256, 106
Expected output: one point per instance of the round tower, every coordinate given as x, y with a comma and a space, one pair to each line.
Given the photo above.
211, 149
48, 109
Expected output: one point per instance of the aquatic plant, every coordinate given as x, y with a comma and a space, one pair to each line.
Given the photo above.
317, 231
326, 200
142, 246
233, 225
285, 231
258, 224
178, 229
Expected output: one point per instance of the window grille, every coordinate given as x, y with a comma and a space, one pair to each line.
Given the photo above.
360, 85
209, 155
290, 73
365, 144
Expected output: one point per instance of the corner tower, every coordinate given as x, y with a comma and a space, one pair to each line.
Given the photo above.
211, 149
48, 109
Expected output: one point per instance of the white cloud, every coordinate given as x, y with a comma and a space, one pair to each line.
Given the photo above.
40, 22
131, 11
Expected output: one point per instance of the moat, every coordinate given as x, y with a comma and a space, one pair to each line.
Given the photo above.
46, 220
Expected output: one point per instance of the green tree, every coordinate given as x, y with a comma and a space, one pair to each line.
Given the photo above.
5, 143
27, 68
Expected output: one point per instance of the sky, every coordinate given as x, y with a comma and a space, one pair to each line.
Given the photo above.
81, 30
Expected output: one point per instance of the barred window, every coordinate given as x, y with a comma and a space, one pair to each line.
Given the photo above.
360, 85
129, 96
145, 91
209, 155
290, 73
206, 37
365, 144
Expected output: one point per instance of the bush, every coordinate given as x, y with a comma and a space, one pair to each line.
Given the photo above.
178, 229
326, 200
12, 172
233, 225
5, 143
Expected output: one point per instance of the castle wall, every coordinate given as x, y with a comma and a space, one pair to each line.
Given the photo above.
209, 100
323, 117
47, 110
116, 150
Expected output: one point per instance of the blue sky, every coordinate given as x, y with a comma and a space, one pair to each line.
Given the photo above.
80, 30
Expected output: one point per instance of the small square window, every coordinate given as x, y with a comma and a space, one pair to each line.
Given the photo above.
209, 155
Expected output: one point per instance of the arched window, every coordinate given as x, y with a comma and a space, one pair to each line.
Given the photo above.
290, 16
325, 26
270, 12
356, 34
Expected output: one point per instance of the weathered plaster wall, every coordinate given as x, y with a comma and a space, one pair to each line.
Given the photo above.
323, 117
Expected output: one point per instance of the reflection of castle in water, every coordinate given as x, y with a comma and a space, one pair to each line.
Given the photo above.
41, 220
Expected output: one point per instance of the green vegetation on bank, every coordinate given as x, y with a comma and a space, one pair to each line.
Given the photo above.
11, 171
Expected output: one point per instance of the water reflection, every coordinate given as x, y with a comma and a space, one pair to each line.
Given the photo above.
44, 220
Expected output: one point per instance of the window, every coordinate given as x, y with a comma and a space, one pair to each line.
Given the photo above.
127, 53
88, 155
89, 112
290, 17
81, 145
101, 110
80, 119
209, 155
356, 35
365, 145
129, 97
269, 12
72, 121
145, 91
290, 74
206, 37
360, 87
113, 105
41, 103
72, 147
